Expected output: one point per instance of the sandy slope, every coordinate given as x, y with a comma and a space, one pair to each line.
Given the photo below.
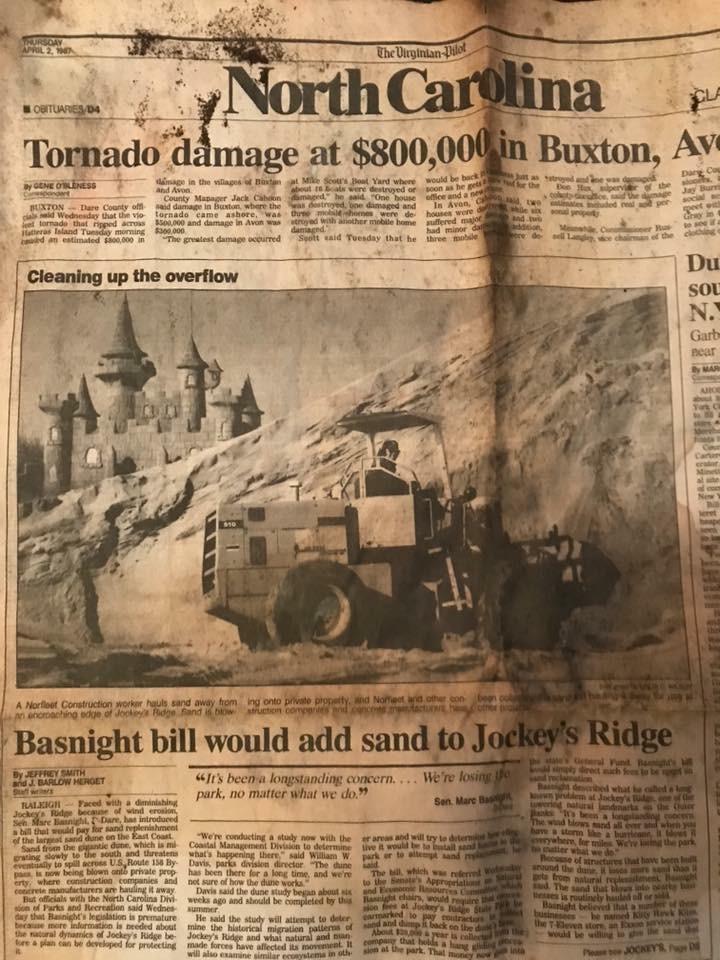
110, 578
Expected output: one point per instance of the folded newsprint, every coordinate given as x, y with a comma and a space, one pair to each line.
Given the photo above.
361, 419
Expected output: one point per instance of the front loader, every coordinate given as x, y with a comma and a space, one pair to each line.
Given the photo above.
386, 562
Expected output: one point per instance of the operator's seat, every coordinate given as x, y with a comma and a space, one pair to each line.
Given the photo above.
382, 479
384, 483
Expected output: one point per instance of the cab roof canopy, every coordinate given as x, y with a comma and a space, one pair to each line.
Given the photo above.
381, 421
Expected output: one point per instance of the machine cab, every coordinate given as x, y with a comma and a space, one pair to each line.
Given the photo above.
392, 508
376, 476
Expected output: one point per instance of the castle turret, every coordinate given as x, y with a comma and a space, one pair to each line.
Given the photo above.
227, 413
57, 451
125, 368
192, 386
250, 412
85, 409
213, 375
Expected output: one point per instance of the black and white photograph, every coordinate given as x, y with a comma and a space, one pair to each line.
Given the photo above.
346, 486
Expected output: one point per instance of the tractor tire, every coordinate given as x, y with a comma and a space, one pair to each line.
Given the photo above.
531, 610
318, 602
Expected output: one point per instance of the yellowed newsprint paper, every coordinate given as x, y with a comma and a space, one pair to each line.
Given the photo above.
361, 450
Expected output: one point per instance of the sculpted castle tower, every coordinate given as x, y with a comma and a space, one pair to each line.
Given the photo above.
138, 429
57, 449
192, 369
125, 369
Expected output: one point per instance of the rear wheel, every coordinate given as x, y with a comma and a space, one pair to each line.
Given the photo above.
318, 602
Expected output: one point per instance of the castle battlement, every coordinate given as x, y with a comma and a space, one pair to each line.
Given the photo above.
137, 428
223, 396
55, 404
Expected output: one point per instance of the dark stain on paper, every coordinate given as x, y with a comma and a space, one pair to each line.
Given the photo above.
240, 38
51, 8
241, 35
142, 111
172, 132
143, 43
206, 109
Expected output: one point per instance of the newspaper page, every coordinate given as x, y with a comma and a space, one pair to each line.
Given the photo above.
361, 401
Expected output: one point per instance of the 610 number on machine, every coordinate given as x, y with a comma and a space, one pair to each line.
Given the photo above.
398, 152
